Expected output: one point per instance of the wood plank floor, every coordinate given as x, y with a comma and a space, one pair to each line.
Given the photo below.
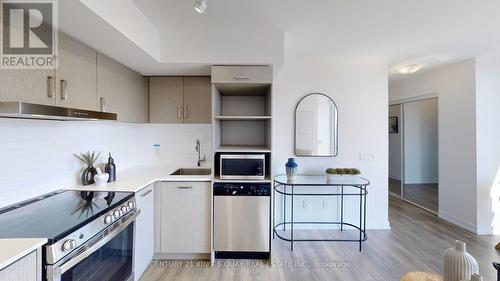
424, 194
415, 243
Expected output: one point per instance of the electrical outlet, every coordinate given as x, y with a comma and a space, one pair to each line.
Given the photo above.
363, 156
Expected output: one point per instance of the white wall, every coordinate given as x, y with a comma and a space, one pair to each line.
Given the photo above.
421, 141
488, 143
455, 85
395, 144
37, 156
360, 91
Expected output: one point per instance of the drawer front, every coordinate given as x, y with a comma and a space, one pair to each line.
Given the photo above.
242, 74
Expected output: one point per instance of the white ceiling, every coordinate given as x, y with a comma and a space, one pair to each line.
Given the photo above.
260, 31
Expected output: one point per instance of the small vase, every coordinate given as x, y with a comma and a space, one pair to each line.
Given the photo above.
88, 175
291, 169
458, 264
291, 173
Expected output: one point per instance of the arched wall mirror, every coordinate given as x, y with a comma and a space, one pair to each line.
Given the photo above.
316, 126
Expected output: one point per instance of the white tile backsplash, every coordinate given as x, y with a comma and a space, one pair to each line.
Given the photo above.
36, 156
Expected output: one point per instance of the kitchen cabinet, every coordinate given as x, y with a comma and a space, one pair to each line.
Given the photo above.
28, 268
144, 231
197, 100
28, 85
76, 75
166, 96
180, 100
184, 218
81, 79
244, 74
124, 91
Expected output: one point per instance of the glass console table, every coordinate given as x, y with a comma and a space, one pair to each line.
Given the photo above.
302, 186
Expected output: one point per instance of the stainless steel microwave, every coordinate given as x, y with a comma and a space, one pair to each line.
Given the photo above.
242, 166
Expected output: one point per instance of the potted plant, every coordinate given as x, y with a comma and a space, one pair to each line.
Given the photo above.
89, 159
342, 173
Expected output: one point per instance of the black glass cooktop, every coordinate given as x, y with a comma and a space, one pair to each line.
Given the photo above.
57, 214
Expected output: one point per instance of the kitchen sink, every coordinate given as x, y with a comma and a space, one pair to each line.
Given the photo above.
191, 172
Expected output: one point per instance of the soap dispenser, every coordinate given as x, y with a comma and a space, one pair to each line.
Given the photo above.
111, 169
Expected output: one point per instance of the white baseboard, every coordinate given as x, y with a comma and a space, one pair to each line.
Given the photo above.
488, 230
458, 222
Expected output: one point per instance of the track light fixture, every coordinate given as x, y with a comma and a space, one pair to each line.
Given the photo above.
200, 6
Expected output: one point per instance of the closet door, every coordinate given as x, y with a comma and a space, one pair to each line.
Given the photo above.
420, 176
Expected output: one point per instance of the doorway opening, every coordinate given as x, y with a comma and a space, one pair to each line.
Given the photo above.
413, 152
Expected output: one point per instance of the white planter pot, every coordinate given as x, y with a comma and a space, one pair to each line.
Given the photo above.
331, 177
458, 264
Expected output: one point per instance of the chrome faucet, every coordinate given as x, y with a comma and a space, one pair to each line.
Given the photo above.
197, 148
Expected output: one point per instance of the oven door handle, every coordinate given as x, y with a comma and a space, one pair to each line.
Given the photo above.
75, 260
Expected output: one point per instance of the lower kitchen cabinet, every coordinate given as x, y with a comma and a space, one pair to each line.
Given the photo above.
27, 268
144, 231
183, 218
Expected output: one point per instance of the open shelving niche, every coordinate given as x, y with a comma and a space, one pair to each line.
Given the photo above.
242, 120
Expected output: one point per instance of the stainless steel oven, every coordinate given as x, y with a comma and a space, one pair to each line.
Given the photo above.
242, 166
106, 256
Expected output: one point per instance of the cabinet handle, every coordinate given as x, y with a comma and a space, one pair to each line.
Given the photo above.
185, 187
146, 193
179, 112
185, 112
241, 77
50, 86
103, 104
63, 86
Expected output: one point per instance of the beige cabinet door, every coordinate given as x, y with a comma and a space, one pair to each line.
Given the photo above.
28, 85
185, 217
125, 92
166, 99
76, 75
197, 100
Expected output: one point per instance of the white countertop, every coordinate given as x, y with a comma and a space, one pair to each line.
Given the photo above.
129, 180
14, 249
137, 178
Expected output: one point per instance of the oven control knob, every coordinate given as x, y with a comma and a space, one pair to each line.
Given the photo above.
131, 204
68, 245
117, 214
124, 209
108, 219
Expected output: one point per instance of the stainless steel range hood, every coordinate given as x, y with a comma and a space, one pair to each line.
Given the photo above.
48, 112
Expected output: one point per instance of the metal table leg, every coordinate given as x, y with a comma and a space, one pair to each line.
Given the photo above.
291, 242
284, 208
360, 216
274, 206
341, 208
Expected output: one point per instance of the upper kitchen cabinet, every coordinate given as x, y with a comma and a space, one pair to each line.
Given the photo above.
122, 90
180, 100
28, 85
166, 99
252, 74
76, 75
197, 100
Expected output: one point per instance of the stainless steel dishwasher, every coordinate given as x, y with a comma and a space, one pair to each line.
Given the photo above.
242, 220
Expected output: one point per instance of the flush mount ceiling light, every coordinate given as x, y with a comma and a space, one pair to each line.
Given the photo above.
409, 68
200, 6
